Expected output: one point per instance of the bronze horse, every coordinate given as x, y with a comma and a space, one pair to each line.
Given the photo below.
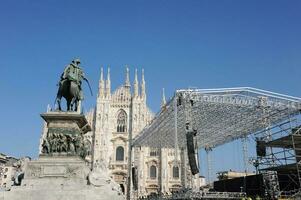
70, 90
70, 86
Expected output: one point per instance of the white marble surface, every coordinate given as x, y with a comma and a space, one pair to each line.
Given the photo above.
62, 178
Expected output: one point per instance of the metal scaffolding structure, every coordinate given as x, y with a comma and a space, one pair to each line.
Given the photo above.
282, 154
218, 115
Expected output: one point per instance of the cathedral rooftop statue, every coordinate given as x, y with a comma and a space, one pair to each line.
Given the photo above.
70, 86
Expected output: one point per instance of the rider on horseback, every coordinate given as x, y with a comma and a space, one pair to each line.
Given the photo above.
73, 72
70, 86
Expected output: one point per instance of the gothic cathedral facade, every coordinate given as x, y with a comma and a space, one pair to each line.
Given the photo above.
125, 112
117, 114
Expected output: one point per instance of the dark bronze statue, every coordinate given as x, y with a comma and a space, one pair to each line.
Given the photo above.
70, 86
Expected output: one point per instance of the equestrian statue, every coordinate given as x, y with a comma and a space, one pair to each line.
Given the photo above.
70, 86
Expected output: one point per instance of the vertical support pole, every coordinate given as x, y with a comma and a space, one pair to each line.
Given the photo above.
297, 161
294, 147
129, 171
209, 164
245, 154
267, 133
245, 158
160, 172
176, 126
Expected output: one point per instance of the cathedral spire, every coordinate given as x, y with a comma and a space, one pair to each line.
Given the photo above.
143, 93
127, 77
101, 84
108, 84
101, 74
136, 84
163, 101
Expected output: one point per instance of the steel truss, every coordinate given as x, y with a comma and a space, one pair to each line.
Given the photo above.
283, 154
218, 115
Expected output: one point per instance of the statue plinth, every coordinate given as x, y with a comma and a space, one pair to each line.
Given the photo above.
61, 171
66, 119
65, 134
55, 172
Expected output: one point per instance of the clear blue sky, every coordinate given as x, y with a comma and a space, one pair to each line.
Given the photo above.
200, 43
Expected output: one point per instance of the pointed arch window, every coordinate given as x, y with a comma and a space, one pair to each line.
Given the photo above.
121, 122
120, 154
153, 172
175, 172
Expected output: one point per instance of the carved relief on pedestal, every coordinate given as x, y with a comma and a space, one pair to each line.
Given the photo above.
64, 138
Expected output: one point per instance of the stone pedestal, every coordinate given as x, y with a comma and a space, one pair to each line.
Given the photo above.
61, 173
54, 172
